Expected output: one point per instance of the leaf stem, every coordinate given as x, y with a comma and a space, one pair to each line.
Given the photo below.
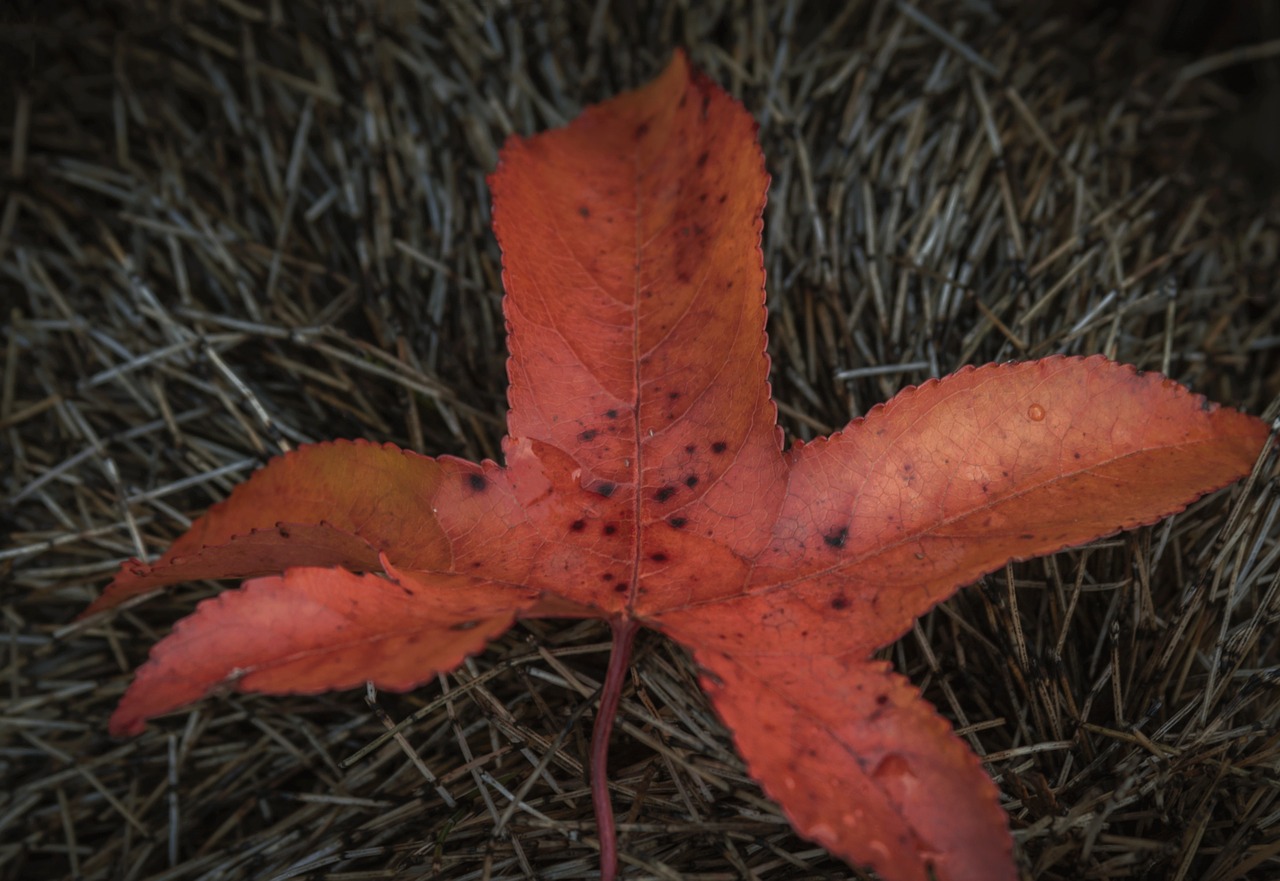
624, 634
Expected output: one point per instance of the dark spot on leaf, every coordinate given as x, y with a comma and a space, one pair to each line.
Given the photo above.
665, 493
610, 528
612, 414
840, 603
882, 699
907, 466
691, 481
658, 557
619, 588
584, 210
641, 130
702, 158
719, 447
724, 197
465, 625
836, 538
673, 395
578, 525
284, 533
1026, 536
678, 522
605, 489
588, 435
478, 482
691, 448
1076, 454
476, 564
608, 576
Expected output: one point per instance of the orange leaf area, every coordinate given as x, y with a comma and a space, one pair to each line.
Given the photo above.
955, 478
312, 630
645, 483
862, 764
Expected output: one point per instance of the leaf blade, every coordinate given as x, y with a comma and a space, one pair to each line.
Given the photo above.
342, 503
870, 534
862, 765
314, 629
635, 309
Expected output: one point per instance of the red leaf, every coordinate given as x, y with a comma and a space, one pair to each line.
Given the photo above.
312, 630
863, 765
340, 504
645, 483
952, 480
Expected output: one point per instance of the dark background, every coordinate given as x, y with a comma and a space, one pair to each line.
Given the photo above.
227, 228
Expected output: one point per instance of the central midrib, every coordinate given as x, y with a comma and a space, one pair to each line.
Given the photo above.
638, 459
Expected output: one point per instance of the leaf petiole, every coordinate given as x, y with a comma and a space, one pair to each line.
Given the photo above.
624, 634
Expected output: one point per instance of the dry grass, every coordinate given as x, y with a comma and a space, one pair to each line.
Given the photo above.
228, 229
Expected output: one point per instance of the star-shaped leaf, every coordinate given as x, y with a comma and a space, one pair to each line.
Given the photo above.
645, 482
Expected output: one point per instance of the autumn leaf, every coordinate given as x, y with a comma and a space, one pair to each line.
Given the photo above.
645, 482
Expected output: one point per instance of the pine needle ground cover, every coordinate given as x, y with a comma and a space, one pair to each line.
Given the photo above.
228, 231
